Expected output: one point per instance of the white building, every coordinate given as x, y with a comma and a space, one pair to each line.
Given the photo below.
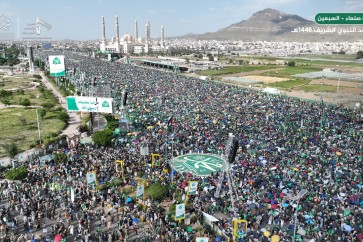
128, 44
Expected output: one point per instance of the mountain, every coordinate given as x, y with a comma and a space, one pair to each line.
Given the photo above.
273, 25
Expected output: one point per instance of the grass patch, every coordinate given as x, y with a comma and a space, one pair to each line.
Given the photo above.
317, 88
290, 83
292, 70
14, 82
20, 125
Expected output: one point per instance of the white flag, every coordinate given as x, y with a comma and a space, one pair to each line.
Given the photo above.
72, 194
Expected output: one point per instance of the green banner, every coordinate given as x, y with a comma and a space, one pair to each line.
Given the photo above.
197, 164
339, 18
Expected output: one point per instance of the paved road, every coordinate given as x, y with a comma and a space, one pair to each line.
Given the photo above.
74, 119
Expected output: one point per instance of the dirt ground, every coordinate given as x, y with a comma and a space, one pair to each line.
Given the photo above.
335, 83
267, 79
347, 99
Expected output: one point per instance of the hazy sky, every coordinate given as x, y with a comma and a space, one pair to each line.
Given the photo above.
81, 19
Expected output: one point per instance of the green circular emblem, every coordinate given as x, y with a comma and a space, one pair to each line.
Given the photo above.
197, 164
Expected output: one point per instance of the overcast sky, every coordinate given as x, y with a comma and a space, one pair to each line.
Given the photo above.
81, 19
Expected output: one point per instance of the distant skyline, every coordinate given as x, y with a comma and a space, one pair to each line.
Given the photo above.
81, 19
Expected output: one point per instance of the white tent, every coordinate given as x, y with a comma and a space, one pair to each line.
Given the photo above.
271, 90
209, 219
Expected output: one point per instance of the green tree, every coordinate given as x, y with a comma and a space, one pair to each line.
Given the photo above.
60, 158
11, 149
25, 102
18, 173
37, 76
42, 113
103, 138
291, 63
360, 54
63, 116
6, 102
157, 191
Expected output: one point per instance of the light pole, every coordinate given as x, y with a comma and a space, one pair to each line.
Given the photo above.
40, 141
297, 198
321, 91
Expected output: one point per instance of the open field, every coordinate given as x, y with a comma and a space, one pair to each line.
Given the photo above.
17, 82
335, 83
25, 87
235, 69
266, 79
20, 125
288, 71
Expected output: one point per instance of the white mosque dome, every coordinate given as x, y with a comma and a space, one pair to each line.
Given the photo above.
128, 38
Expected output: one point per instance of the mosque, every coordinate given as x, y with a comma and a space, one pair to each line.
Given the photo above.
129, 44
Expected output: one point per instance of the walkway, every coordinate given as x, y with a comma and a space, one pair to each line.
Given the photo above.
74, 119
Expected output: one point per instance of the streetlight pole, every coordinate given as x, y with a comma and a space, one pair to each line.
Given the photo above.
40, 141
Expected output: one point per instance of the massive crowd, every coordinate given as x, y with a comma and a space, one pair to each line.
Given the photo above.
287, 145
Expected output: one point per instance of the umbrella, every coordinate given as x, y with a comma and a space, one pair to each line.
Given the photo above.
347, 228
135, 221
274, 206
266, 233
190, 229
296, 169
273, 168
301, 231
275, 238
150, 127
338, 153
129, 199
58, 238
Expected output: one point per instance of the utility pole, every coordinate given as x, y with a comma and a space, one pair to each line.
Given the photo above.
40, 141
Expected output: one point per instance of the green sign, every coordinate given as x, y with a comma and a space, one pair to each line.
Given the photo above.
339, 18
197, 164
56, 61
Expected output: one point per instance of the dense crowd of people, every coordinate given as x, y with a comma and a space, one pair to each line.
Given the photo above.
287, 145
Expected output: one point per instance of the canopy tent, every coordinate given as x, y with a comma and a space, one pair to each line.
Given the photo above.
209, 219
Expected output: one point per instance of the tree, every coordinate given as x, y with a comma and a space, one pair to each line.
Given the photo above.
291, 63
42, 113
11, 149
211, 58
25, 102
157, 191
103, 138
18, 173
360, 54
60, 158
63, 116
6, 102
